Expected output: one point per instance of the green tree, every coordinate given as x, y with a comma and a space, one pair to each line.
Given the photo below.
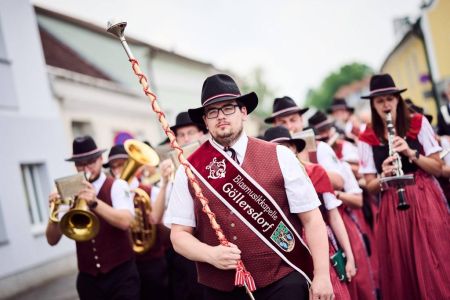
322, 97
255, 82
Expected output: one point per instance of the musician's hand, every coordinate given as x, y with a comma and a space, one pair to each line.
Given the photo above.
401, 146
387, 166
167, 168
53, 198
350, 268
321, 288
88, 193
225, 258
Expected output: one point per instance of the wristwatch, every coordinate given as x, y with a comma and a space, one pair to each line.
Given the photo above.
93, 204
416, 156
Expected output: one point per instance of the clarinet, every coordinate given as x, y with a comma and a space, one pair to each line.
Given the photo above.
398, 171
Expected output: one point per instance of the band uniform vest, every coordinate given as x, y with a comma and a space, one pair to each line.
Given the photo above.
266, 267
110, 248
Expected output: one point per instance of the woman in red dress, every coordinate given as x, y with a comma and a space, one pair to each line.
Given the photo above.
413, 243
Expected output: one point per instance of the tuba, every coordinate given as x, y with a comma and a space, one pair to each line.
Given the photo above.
399, 180
79, 223
143, 233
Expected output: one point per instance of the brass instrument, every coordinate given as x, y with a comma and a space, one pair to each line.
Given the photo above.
399, 180
143, 233
79, 223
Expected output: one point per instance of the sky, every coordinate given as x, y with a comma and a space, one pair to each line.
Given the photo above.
296, 42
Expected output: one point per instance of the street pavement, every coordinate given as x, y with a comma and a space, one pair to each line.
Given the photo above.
62, 288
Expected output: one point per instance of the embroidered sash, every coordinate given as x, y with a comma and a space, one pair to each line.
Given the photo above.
253, 205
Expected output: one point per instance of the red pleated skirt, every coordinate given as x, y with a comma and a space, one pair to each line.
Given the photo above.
363, 285
414, 245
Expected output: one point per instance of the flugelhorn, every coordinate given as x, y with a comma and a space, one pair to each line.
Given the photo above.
142, 231
398, 180
79, 223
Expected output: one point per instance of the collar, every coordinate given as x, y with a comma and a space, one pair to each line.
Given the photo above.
99, 182
240, 146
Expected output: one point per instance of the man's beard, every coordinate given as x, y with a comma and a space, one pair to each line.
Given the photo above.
228, 139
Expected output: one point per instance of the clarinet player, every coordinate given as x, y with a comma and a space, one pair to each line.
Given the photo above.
412, 244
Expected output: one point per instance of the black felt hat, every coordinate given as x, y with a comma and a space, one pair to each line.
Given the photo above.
280, 134
219, 88
116, 152
184, 120
319, 121
84, 148
284, 106
382, 84
339, 103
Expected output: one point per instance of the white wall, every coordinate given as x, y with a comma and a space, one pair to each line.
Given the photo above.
30, 132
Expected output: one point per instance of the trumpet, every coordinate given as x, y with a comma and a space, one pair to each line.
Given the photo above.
79, 223
399, 180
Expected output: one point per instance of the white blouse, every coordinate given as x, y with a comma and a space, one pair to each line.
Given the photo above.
426, 138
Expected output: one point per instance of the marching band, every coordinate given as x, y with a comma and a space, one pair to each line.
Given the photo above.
359, 214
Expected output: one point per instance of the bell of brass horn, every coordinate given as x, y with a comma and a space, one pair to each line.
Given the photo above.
79, 223
143, 233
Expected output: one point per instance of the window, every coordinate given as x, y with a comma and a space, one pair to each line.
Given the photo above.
80, 128
35, 181
3, 236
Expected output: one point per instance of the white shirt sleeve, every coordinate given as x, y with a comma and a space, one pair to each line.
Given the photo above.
427, 138
330, 201
121, 197
350, 152
154, 193
299, 190
366, 162
327, 158
350, 183
181, 204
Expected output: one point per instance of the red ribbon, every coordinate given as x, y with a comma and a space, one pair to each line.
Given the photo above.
243, 277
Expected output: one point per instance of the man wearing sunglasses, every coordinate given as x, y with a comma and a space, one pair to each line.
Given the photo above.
261, 199
106, 266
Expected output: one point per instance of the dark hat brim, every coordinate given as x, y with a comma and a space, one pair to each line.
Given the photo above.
118, 156
330, 110
324, 126
299, 143
86, 157
201, 127
299, 110
382, 93
250, 101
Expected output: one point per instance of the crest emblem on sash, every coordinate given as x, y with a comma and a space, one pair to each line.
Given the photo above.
217, 169
283, 237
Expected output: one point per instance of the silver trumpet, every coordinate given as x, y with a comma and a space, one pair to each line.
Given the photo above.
399, 180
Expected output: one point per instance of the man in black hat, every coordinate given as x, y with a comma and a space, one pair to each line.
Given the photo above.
444, 114
228, 152
286, 113
106, 265
342, 114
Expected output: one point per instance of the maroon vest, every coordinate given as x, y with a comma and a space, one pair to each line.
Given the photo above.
261, 163
157, 250
110, 248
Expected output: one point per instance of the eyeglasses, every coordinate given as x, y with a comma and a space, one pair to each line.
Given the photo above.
86, 162
228, 109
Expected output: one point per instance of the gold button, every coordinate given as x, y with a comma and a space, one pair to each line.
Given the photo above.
232, 225
96, 257
94, 249
93, 241
98, 266
234, 238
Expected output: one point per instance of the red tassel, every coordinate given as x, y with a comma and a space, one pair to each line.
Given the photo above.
243, 277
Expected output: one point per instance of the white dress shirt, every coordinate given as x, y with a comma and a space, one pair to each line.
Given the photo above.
326, 157
120, 193
299, 189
